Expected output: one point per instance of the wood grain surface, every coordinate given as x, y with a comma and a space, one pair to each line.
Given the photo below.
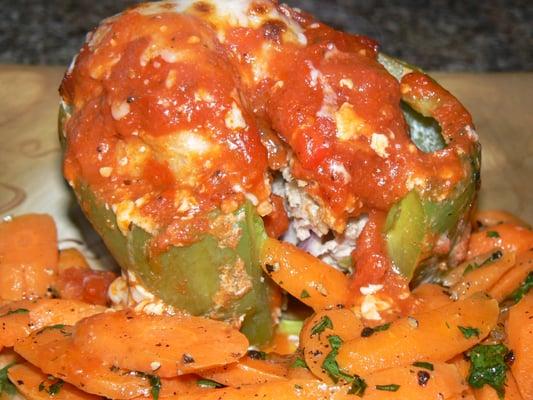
30, 160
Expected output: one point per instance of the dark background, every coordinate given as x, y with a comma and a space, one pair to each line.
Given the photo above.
471, 35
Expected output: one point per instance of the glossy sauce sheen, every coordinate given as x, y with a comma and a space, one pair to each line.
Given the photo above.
187, 110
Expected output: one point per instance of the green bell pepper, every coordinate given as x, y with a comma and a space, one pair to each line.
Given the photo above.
189, 277
415, 223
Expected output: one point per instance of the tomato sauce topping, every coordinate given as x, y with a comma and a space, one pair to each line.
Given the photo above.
183, 113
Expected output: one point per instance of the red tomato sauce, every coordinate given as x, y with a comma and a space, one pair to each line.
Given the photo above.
169, 111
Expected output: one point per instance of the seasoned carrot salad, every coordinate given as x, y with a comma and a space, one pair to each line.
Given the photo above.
292, 214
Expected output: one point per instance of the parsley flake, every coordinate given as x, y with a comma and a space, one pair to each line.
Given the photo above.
488, 367
358, 386
368, 331
393, 387
299, 363
305, 294
17, 311
330, 364
424, 365
53, 388
493, 234
469, 332
522, 290
321, 326
493, 257
154, 380
5, 385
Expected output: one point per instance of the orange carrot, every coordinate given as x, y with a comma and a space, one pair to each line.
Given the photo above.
307, 278
429, 297
489, 218
36, 385
514, 277
172, 345
482, 278
51, 350
248, 371
314, 337
28, 256
19, 318
433, 335
508, 237
520, 339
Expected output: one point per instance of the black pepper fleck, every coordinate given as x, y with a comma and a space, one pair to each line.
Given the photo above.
423, 377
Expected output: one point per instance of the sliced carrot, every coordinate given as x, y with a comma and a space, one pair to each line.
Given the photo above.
490, 218
316, 332
432, 335
28, 256
484, 277
508, 237
514, 277
443, 382
45, 312
313, 282
71, 258
179, 385
248, 371
300, 372
429, 296
14, 321
176, 344
52, 350
520, 338
36, 385
19, 318
455, 275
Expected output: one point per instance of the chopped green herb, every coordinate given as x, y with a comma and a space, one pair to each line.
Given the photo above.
423, 364
470, 267
155, 383
393, 387
305, 294
493, 257
17, 311
493, 234
330, 364
52, 388
57, 326
358, 386
299, 363
5, 385
154, 380
488, 367
522, 290
468, 331
368, 331
381, 328
208, 384
298, 387
60, 327
321, 325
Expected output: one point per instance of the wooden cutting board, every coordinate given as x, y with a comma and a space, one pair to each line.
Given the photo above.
30, 160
